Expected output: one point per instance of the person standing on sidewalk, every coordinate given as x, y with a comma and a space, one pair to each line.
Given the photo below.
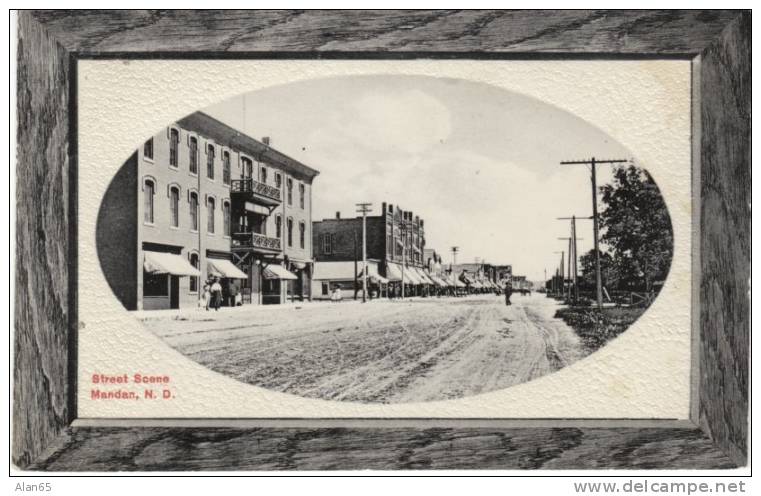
216, 294
232, 293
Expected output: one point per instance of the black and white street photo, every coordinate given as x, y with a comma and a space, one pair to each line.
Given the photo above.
384, 239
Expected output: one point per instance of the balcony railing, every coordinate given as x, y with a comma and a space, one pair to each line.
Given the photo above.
257, 188
255, 240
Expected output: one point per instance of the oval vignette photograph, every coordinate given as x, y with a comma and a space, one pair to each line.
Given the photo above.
384, 239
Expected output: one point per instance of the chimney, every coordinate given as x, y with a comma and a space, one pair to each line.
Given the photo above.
266, 140
338, 215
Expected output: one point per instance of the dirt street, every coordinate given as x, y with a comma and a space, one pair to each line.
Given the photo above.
383, 351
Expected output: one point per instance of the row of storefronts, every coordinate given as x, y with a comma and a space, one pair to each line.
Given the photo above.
398, 261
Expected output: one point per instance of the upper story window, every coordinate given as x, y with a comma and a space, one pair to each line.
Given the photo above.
226, 217
327, 244
278, 226
174, 206
289, 187
148, 149
226, 167
193, 155
210, 162
263, 175
278, 180
174, 147
149, 189
194, 211
302, 234
290, 232
210, 208
302, 190
246, 167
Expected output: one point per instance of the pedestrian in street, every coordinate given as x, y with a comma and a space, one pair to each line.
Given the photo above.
508, 293
216, 294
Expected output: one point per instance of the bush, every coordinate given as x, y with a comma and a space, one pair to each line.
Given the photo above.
596, 328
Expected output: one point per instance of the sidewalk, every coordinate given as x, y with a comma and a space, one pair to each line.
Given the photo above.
255, 309
244, 309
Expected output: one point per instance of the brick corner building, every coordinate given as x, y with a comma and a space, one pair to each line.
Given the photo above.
201, 199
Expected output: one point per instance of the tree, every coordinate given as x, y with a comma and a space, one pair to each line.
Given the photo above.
609, 271
637, 227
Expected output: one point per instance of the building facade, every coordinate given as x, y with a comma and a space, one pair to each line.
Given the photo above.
395, 240
226, 205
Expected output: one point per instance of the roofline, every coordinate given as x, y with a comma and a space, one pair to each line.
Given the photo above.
243, 142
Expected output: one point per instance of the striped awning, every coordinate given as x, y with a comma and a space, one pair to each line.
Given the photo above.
224, 268
278, 272
168, 263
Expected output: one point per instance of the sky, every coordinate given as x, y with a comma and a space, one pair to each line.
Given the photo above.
478, 163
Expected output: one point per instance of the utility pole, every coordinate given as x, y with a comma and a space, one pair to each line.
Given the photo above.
356, 272
560, 272
573, 219
455, 249
571, 264
403, 227
364, 209
593, 163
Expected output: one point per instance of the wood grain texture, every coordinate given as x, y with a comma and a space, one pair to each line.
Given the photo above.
725, 238
573, 31
41, 408
46, 293
146, 449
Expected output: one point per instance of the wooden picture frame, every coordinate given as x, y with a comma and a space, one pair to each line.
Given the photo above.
46, 435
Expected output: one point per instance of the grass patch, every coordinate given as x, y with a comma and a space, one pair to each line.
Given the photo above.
595, 327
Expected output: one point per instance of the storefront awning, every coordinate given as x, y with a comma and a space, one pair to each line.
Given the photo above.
410, 277
278, 272
168, 263
439, 282
394, 272
344, 271
423, 276
224, 268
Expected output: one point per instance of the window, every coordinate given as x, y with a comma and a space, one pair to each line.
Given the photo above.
325, 288
155, 284
148, 191
263, 175
194, 279
148, 149
301, 195
226, 167
210, 162
278, 180
389, 239
174, 146
226, 217
289, 186
246, 167
194, 211
302, 234
278, 227
210, 206
290, 232
174, 206
193, 155
327, 245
